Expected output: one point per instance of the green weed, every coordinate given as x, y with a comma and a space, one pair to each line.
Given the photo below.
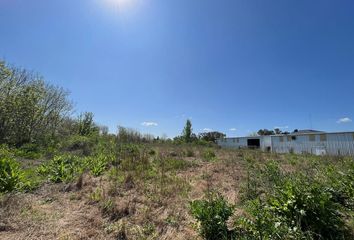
63, 168
212, 214
209, 155
11, 176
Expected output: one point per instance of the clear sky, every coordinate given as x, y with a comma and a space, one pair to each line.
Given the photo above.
230, 65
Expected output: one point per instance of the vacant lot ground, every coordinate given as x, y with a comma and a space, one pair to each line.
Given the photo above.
146, 196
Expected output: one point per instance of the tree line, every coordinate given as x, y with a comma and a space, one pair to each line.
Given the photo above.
188, 136
34, 111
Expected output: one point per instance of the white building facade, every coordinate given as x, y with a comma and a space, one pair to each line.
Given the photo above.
321, 143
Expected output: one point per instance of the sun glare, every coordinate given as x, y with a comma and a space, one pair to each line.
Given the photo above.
120, 4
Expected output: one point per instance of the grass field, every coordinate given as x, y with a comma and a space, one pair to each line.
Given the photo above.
166, 191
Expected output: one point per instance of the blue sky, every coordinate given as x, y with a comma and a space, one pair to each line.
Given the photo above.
226, 64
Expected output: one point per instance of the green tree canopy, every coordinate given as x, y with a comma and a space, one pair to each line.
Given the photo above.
211, 136
31, 110
264, 132
187, 131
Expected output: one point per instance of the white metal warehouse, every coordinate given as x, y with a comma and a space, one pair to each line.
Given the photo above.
318, 143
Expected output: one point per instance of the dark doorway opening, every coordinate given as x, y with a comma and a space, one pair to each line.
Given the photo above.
254, 143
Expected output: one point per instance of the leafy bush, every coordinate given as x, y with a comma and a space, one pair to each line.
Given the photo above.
212, 215
272, 173
98, 164
298, 205
260, 179
31, 179
10, 174
83, 144
341, 183
298, 209
309, 206
62, 168
12, 177
260, 222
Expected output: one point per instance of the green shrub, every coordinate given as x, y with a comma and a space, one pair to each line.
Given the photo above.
272, 173
152, 152
83, 144
131, 150
96, 196
212, 215
62, 168
202, 142
341, 183
130, 157
209, 155
98, 164
260, 222
10, 174
29, 151
31, 179
298, 208
287, 205
311, 207
5, 151
190, 153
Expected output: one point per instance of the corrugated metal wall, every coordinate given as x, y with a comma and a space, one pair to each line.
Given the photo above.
329, 143
319, 144
233, 142
241, 142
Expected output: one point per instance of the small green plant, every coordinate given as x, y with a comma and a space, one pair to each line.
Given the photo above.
62, 168
212, 214
97, 164
149, 229
29, 151
11, 175
96, 196
108, 207
209, 155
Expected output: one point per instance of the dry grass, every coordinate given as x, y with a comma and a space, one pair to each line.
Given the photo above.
127, 204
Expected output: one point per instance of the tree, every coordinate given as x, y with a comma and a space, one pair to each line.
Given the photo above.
265, 132
86, 124
187, 131
128, 135
211, 136
277, 131
31, 110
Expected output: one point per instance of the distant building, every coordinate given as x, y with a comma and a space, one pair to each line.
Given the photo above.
302, 141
